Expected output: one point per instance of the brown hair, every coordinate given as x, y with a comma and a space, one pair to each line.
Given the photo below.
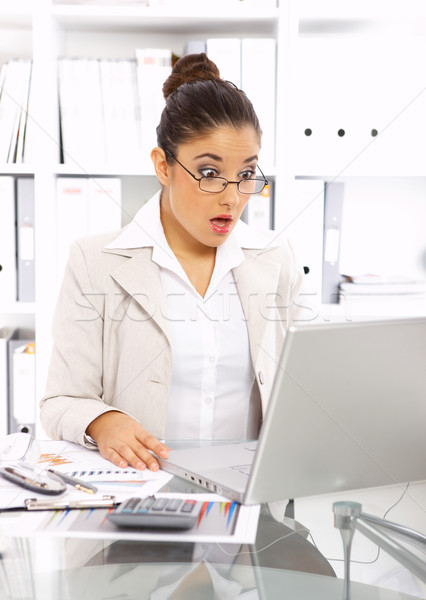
198, 100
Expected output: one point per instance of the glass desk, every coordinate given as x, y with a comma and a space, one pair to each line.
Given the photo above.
281, 563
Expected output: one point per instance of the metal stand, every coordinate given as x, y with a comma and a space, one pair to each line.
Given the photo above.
348, 516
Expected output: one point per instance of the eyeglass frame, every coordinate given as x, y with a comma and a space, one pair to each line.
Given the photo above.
237, 183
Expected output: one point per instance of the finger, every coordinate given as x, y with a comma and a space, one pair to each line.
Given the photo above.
113, 456
138, 456
154, 444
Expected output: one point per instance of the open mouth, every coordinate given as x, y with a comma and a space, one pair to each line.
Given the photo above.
221, 223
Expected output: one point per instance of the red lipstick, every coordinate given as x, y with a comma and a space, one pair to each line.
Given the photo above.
221, 223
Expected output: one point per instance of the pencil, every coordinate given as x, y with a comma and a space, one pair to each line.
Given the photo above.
77, 483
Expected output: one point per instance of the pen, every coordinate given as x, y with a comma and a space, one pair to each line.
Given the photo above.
27, 480
79, 485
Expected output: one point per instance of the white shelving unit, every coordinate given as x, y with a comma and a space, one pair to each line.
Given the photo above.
46, 31
324, 97
356, 67
315, 95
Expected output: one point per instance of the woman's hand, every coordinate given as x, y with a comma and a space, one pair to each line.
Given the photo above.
123, 441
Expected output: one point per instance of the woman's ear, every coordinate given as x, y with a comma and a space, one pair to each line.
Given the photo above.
161, 167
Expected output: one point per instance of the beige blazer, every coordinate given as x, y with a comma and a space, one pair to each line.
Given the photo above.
112, 337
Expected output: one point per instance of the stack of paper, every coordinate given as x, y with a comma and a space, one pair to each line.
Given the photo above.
383, 295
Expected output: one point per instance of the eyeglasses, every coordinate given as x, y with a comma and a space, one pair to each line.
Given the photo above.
215, 185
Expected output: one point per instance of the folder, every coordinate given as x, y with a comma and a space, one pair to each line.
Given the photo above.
258, 76
6, 334
82, 120
71, 217
260, 209
123, 136
104, 204
12, 82
304, 217
22, 131
8, 292
333, 209
85, 206
21, 356
25, 239
154, 65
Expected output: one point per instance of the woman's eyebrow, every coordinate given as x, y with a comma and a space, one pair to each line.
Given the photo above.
209, 155
218, 158
254, 157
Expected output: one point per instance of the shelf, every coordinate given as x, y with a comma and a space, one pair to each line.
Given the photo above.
119, 18
363, 16
16, 169
21, 308
16, 14
365, 10
103, 171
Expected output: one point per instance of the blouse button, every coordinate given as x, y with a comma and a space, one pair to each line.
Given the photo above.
261, 377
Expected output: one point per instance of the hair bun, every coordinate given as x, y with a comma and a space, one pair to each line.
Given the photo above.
192, 67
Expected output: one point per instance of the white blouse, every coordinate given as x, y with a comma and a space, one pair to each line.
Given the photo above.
212, 374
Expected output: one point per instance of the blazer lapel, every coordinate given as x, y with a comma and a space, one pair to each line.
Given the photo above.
257, 282
140, 277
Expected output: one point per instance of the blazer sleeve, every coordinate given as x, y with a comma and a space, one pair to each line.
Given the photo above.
73, 395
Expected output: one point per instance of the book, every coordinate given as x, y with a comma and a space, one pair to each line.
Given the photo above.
154, 65
8, 290
25, 238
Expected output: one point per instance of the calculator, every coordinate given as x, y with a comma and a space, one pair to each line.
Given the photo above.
166, 513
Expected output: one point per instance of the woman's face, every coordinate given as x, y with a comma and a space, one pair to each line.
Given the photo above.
197, 217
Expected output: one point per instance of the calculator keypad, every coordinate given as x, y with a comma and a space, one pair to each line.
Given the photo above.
174, 513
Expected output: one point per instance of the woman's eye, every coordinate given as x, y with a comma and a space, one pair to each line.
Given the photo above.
246, 174
209, 173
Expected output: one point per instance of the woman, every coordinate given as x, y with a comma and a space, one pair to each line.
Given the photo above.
174, 328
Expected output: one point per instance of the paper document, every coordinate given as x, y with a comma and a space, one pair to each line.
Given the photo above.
220, 521
69, 458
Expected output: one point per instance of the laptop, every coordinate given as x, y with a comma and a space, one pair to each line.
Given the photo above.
347, 411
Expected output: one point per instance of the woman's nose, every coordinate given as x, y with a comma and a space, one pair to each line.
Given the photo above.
230, 195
